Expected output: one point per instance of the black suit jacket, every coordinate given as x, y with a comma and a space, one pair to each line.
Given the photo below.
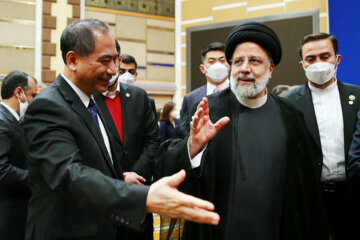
14, 189
140, 130
302, 99
190, 99
77, 191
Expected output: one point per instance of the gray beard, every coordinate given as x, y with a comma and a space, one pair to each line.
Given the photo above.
249, 91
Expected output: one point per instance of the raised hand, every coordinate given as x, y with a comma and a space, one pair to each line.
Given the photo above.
202, 130
163, 198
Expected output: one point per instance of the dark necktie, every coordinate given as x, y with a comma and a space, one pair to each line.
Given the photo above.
93, 110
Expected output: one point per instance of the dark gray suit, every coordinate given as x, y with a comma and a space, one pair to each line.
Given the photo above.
191, 98
78, 193
14, 189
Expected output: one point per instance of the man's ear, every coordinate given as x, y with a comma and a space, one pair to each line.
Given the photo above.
338, 59
202, 68
18, 93
271, 70
135, 74
301, 64
72, 60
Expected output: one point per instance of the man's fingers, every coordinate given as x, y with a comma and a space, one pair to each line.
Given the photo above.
221, 123
199, 215
175, 179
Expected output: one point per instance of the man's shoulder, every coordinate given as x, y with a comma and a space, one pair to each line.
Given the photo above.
351, 87
293, 93
132, 88
196, 92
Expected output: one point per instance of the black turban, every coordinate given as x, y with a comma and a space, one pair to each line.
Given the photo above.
254, 32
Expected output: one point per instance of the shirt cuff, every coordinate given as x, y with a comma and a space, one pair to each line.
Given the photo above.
196, 161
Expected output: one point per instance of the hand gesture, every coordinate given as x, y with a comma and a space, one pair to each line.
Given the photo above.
163, 198
202, 130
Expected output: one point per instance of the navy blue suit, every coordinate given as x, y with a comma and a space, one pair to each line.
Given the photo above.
190, 99
353, 167
167, 130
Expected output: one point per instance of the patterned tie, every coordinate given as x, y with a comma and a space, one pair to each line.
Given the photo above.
93, 110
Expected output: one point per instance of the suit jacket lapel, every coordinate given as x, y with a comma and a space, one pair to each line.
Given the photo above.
125, 98
304, 100
83, 112
348, 111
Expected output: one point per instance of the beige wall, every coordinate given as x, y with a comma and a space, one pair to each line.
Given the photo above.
151, 40
17, 41
218, 11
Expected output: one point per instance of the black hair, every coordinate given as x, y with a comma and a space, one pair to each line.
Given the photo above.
79, 37
118, 48
214, 46
12, 81
318, 36
126, 58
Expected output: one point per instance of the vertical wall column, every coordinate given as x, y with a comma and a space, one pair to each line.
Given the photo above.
48, 48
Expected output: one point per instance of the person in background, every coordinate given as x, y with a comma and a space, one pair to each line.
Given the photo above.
17, 91
215, 69
168, 121
329, 108
280, 89
128, 73
128, 114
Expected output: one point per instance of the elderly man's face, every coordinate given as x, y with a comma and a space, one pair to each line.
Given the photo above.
94, 71
250, 70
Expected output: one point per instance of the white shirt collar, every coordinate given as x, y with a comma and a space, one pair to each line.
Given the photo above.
112, 94
252, 102
83, 97
12, 111
210, 87
315, 90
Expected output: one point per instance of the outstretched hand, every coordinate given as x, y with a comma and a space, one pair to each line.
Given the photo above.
163, 198
202, 130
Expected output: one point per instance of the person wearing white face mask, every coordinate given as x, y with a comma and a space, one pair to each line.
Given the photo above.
17, 90
329, 107
216, 70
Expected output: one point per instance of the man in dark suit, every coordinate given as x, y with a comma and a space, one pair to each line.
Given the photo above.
17, 90
75, 176
128, 114
329, 107
128, 73
216, 70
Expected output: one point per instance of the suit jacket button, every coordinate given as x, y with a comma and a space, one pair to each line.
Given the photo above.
319, 163
122, 220
127, 221
117, 218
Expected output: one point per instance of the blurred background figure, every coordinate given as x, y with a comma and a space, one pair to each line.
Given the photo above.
168, 121
280, 89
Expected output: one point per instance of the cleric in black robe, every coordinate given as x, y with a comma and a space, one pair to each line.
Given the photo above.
257, 167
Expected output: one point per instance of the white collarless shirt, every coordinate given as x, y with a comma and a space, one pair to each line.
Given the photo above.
86, 100
329, 117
